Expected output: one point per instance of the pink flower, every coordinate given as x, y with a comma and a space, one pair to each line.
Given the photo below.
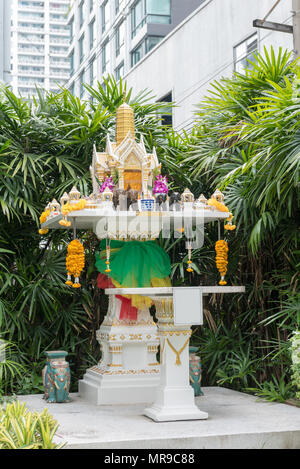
160, 185
108, 182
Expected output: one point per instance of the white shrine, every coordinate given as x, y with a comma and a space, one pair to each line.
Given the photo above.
130, 371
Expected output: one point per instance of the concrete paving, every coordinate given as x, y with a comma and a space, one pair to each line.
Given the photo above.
236, 421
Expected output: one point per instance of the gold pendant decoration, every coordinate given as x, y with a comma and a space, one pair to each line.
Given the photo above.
107, 270
189, 262
178, 352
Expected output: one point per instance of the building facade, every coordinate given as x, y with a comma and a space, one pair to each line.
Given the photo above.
112, 36
216, 39
40, 42
5, 35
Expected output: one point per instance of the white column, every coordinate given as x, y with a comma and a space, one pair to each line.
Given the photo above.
174, 396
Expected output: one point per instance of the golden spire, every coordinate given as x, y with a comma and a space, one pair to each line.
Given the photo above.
124, 122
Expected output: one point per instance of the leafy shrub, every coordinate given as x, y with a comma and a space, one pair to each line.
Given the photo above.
22, 429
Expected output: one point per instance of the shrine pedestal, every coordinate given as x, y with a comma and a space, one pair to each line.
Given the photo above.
128, 372
174, 396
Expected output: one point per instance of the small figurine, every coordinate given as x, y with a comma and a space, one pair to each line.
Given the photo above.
56, 377
175, 202
195, 371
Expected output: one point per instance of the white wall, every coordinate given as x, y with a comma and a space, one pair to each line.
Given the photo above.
200, 50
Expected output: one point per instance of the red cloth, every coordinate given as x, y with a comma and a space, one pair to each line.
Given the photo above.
127, 310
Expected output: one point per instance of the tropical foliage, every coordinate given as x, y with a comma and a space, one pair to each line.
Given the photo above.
22, 429
245, 141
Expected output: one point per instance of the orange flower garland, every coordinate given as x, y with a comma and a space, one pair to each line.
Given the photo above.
43, 218
66, 208
74, 262
218, 205
229, 226
221, 248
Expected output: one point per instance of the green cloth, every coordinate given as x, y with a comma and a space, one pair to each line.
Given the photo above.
134, 263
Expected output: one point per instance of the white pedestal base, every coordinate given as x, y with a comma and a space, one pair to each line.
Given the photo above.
101, 389
128, 372
174, 404
174, 396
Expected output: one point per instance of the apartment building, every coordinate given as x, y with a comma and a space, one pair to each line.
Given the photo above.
40, 42
5, 14
213, 41
112, 36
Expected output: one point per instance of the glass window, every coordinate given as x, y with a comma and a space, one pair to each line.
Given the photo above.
166, 119
120, 71
92, 33
137, 54
72, 28
93, 71
105, 15
158, 11
82, 88
244, 52
81, 48
81, 18
120, 36
105, 57
152, 41
138, 18
119, 4
72, 62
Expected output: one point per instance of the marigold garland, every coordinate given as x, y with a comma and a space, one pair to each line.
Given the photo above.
74, 262
229, 226
218, 205
66, 208
43, 218
221, 248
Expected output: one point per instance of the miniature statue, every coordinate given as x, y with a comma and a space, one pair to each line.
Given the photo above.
175, 202
195, 371
56, 377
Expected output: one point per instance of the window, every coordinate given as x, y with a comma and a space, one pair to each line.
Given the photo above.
138, 18
244, 52
152, 41
120, 71
72, 88
81, 18
82, 88
105, 57
119, 5
167, 119
120, 34
158, 11
150, 11
143, 48
81, 48
93, 71
72, 62
92, 33
105, 15
137, 54
72, 28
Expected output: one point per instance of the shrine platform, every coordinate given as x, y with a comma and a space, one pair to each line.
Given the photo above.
236, 421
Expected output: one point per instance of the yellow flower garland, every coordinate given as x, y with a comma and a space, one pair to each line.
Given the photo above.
65, 209
43, 218
218, 205
229, 226
74, 262
221, 248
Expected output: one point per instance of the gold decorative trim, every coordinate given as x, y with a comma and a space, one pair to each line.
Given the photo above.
178, 352
122, 372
